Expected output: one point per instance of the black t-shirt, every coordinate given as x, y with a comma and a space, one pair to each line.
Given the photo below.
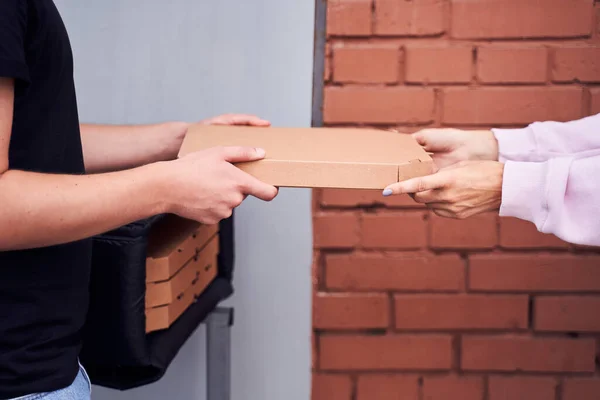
44, 291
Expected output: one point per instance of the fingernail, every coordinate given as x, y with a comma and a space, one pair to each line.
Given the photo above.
387, 192
260, 152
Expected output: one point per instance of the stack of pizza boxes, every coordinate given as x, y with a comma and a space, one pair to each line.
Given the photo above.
181, 262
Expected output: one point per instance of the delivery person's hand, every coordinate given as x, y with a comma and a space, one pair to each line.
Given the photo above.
458, 191
206, 187
450, 146
236, 119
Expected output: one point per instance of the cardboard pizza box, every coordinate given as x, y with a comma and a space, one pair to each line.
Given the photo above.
352, 158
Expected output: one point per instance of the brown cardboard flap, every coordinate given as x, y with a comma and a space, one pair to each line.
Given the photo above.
319, 157
158, 318
165, 292
172, 245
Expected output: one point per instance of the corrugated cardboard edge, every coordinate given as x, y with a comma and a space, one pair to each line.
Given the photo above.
163, 317
165, 292
311, 174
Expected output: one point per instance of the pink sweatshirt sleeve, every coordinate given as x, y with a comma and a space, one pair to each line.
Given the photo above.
552, 177
560, 196
541, 141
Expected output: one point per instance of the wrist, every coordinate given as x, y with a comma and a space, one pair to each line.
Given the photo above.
493, 146
158, 182
498, 183
488, 146
173, 139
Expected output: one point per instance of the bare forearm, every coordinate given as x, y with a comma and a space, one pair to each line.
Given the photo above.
118, 147
42, 210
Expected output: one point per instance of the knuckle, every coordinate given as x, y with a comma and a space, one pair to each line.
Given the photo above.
225, 212
236, 199
219, 151
210, 220
419, 198
439, 212
421, 186
444, 195
243, 152
462, 214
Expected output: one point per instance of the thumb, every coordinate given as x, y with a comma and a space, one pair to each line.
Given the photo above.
435, 140
237, 154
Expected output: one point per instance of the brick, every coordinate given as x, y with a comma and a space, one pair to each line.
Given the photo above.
386, 352
534, 272
595, 101
335, 230
439, 64
453, 387
516, 233
394, 231
440, 312
581, 389
519, 19
364, 198
512, 64
567, 314
331, 387
520, 353
576, 64
351, 311
511, 105
387, 387
378, 105
410, 18
366, 64
398, 272
521, 388
349, 17
477, 232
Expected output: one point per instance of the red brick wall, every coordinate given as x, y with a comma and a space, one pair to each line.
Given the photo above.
415, 307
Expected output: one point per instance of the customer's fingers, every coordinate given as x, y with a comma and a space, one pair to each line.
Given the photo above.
419, 184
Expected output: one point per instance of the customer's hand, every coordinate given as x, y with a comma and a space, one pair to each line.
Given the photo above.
206, 187
450, 146
458, 191
236, 119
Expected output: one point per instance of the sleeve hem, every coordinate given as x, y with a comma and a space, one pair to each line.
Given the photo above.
524, 192
515, 144
14, 69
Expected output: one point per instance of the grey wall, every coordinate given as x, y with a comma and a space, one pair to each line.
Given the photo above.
148, 61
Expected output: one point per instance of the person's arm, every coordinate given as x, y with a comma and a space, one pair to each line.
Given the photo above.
118, 147
537, 142
541, 141
42, 209
560, 196
38, 210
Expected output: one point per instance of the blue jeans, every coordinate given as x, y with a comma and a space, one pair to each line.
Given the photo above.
80, 389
